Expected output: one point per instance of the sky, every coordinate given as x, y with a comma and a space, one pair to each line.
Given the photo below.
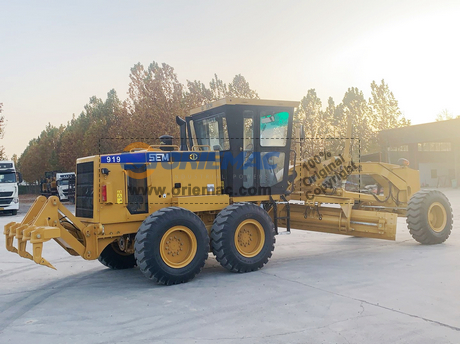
55, 55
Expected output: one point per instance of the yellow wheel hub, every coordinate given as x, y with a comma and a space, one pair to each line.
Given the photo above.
437, 217
178, 247
249, 238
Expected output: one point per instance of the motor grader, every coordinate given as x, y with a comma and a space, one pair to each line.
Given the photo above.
48, 184
236, 179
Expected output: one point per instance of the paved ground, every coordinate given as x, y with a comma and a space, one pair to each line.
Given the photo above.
317, 288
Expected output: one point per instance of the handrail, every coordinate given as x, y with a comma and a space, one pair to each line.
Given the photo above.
156, 147
195, 148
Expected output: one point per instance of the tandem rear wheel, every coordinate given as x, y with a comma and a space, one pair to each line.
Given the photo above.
171, 246
243, 237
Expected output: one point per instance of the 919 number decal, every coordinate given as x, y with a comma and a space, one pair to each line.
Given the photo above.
110, 159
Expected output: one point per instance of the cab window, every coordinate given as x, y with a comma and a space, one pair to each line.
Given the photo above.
213, 132
273, 128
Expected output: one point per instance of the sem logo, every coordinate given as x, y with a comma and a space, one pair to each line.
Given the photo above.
158, 157
193, 156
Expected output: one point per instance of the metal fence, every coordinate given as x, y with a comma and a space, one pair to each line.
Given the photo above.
29, 189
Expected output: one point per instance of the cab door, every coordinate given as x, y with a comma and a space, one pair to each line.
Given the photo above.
274, 128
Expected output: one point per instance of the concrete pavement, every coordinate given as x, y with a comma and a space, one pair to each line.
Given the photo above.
317, 288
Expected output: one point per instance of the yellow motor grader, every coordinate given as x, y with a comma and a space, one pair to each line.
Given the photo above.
229, 187
48, 185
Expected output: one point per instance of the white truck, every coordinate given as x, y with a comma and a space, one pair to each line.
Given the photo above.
9, 179
65, 184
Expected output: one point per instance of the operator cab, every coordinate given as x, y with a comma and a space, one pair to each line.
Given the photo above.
253, 138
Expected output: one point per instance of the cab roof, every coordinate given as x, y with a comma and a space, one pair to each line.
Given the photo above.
242, 101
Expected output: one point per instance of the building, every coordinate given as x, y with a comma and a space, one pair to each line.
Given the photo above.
432, 148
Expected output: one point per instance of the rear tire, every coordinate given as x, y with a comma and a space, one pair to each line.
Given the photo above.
115, 259
171, 246
243, 237
429, 217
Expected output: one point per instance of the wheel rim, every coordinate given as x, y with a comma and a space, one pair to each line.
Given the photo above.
178, 247
249, 238
437, 217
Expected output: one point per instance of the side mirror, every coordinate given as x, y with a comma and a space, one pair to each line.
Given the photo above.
19, 177
302, 132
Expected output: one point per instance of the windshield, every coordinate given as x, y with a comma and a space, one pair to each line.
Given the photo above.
213, 132
63, 182
9, 177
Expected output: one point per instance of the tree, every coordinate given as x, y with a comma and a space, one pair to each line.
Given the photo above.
2, 132
103, 118
331, 142
95, 131
326, 130
155, 98
239, 88
310, 115
42, 154
445, 115
27, 161
197, 94
354, 106
218, 88
385, 109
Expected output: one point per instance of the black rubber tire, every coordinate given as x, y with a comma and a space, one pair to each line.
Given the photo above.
14, 212
148, 239
223, 237
417, 217
115, 259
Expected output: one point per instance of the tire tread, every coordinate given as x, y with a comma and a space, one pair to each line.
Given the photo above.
220, 241
416, 217
144, 253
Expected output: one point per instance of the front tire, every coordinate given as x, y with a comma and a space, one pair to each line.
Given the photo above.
243, 237
171, 246
115, 259
429, 217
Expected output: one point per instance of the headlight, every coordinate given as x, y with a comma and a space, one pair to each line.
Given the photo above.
16, 200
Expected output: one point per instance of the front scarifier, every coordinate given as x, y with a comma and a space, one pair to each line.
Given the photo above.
48, 219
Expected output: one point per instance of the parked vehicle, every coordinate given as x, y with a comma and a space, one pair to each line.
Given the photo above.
65, 185
9, 179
